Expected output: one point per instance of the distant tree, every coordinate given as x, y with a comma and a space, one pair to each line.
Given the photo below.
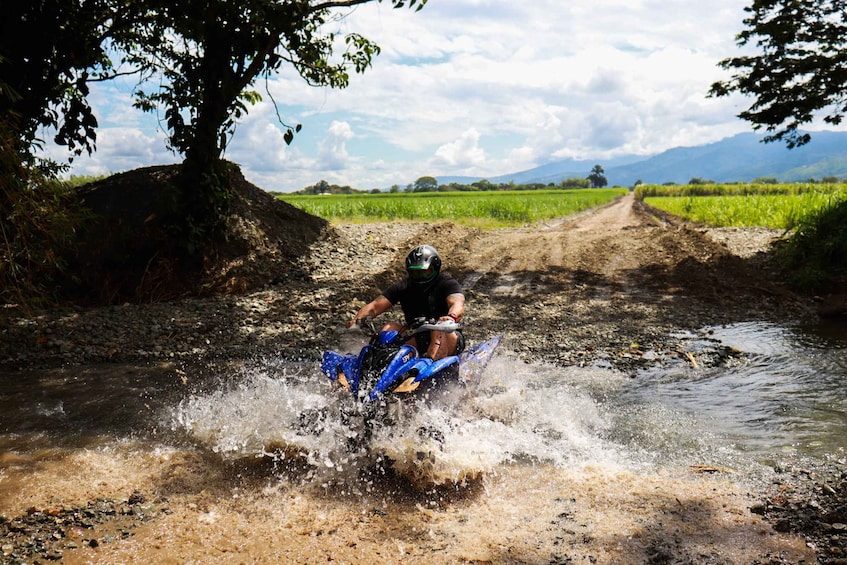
395, 188
766, 180
323, 187
830, 180
426, 184
597, 177
698, 180
575, 183
483, 185
799, 71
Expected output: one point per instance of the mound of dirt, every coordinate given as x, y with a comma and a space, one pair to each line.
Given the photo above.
132, 248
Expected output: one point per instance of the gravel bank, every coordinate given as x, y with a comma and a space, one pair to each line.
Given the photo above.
627, 298
293, 317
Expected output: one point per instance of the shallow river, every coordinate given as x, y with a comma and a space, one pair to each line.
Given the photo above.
534, 463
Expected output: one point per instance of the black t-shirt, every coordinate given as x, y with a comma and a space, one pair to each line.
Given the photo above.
423, 300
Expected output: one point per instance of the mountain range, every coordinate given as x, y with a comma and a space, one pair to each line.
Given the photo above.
743, 157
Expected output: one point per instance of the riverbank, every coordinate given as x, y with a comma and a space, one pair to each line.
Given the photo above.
620, 288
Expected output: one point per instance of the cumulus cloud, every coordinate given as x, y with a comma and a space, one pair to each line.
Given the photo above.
488, 87
118, 149
332, 151
259, 145
463, 153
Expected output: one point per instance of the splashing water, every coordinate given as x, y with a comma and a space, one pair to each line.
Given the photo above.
518, 413
578, 463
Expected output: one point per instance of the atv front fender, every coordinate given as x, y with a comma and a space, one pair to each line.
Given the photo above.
343, 369
427, 368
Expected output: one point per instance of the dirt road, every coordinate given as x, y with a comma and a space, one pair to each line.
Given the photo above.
599, 282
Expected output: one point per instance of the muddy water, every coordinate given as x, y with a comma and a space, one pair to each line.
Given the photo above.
534, 463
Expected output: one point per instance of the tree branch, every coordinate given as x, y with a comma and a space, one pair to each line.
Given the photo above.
338, 4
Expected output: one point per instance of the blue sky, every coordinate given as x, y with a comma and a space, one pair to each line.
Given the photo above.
475, 87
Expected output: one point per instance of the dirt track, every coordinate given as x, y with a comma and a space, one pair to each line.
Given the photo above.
597, 283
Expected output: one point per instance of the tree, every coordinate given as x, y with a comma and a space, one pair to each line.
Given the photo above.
800, 72
203, 58
50, 50
700, 181
483, 185
597, 177
575, 183
426, 184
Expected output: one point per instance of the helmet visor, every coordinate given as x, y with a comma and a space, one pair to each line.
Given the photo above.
419, 274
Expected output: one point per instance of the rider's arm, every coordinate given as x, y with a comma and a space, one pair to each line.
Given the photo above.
456, 307
372, 309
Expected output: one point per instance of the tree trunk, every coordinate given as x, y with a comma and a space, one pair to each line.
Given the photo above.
203, 179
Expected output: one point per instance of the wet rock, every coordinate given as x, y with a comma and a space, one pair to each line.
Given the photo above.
41, 534
811, 502
833, 307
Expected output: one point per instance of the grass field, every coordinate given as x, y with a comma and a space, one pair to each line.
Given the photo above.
482, 209
777, 206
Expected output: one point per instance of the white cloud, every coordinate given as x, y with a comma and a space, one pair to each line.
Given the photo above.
118, 149
486, 87
332, 151
463, 154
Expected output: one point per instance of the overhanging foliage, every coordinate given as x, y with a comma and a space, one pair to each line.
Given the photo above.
800, 70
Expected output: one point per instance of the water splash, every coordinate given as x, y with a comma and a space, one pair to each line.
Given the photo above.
775, 396
518, 413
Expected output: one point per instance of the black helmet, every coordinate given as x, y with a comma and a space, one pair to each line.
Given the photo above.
423, 264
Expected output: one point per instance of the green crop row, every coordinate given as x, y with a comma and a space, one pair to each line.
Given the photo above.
487, 209
777, 210
651, 190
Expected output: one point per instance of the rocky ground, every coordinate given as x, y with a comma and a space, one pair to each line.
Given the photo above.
605, 286
621, 286
584, 289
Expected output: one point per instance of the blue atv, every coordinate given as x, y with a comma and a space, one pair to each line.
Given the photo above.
389, 366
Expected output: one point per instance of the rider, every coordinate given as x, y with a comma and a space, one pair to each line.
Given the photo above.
424, 293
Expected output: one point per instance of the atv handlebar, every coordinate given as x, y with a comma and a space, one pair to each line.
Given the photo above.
418, 326
447, 326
